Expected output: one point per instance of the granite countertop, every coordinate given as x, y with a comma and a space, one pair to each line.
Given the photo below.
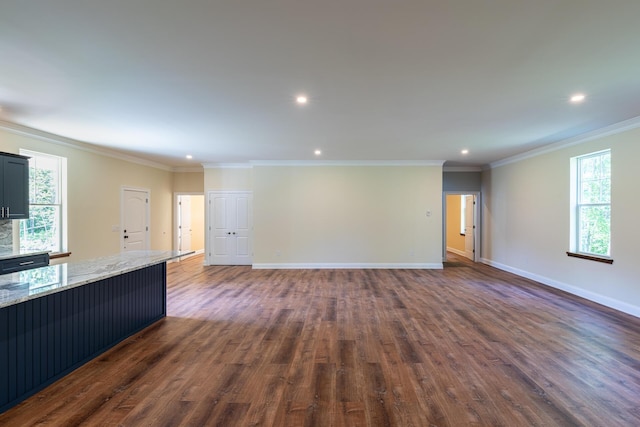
29, 284
9, 254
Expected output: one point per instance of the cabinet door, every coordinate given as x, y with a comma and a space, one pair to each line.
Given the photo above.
15, 187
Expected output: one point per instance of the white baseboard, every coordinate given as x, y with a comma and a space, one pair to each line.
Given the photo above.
312, 266
591, 296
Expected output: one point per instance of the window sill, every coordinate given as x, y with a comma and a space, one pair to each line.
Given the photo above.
59, 255
591, 257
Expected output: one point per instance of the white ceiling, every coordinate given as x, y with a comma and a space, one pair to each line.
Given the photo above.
387, 80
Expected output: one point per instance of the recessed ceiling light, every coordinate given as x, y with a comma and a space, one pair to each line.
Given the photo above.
465, 151
302, 99
189, 156
317, 152
578, 97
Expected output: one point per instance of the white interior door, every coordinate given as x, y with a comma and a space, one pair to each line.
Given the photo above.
230, 226
185, 230
469, 227
135, 219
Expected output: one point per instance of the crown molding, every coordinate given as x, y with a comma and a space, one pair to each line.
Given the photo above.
191, 169
462, 169
73, 143
253, 163
227, 165
575, 140
347, 162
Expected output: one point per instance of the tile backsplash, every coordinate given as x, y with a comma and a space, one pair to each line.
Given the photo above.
6, 235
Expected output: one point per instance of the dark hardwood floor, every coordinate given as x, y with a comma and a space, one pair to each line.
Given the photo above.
467, 345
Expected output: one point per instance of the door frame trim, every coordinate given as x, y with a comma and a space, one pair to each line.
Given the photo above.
147, 241
477, 221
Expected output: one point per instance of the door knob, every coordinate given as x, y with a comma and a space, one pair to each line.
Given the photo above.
126, 237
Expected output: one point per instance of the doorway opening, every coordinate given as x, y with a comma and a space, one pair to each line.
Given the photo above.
461, 232
189, 222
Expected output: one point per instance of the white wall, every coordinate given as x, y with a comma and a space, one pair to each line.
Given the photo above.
526, 222
370, 216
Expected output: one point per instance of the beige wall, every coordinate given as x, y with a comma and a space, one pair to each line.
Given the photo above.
94, 188
347, 215
526, 222
454, 239
238, 179
188, 182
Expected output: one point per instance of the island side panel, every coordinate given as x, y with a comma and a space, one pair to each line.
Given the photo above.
45, 338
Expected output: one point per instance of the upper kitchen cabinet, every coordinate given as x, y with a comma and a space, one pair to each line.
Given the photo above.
14, 188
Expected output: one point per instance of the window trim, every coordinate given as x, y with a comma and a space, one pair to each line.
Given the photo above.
590, 257
62, 199
574, 243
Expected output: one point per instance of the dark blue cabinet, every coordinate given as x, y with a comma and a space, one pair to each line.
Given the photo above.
14, 188
23, 262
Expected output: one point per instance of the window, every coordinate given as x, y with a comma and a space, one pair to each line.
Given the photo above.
44, 230
591, 216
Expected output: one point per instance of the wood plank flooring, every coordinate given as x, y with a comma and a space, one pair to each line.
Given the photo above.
467, 345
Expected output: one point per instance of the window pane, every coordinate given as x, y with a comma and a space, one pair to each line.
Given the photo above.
595, 191
44, 180
594, 225
595, 182
41, 232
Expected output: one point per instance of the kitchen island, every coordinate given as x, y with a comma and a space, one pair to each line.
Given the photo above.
54, 319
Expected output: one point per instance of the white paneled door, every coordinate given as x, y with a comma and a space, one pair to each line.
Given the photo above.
135, 219
470, 227
230, 228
